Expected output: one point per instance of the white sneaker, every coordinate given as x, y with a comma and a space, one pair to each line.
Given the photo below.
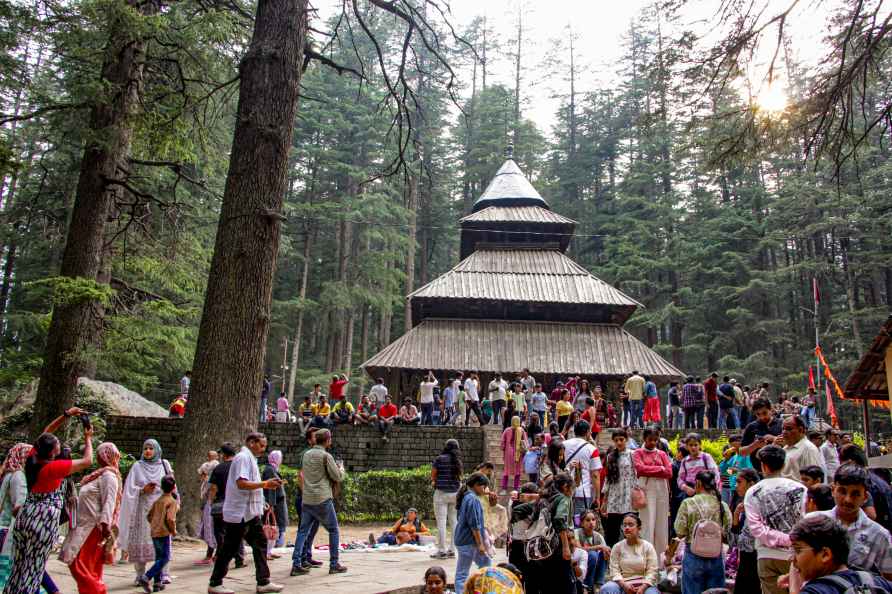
221, 589
270, 587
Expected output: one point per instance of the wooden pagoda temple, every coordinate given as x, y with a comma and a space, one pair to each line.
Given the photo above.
515, 301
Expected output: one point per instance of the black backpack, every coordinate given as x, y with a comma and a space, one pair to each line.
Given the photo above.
866, 584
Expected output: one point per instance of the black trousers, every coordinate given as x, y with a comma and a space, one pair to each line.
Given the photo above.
473, 405
252, 533
219, 535
613, 524
712, 414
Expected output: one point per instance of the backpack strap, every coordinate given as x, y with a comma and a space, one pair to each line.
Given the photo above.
841, 583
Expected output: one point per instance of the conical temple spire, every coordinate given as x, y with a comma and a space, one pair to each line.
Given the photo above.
509, 187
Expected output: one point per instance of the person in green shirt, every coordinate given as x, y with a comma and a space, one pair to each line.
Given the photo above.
700, 573
562, 522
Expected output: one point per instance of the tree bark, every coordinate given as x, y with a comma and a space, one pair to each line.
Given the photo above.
412, 205
229, 355
298, 332
73, 323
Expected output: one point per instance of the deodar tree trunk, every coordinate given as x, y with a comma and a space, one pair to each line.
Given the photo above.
228, 368
74, 322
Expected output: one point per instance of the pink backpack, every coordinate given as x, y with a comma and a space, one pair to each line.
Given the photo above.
706, 539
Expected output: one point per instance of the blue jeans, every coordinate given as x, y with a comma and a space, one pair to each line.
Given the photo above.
162, 557
262, 411
467, 554
324, 514
626, 419
613, 588
728, 418
596, 569
808, 415
427, 413
699, 574
637, 409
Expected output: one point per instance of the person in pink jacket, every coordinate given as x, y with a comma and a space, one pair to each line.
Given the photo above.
654, 471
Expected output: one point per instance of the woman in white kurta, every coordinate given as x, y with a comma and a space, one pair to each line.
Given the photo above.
141, 489
87, 547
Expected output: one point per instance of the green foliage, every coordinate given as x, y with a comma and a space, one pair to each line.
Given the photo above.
385, 495
713, 447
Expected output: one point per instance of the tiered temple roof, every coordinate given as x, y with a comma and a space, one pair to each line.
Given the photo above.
515, 301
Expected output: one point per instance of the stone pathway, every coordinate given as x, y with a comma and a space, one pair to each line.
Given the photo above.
369, 573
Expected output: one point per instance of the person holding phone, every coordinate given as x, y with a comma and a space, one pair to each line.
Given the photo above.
141, 489
243, 517
37, 521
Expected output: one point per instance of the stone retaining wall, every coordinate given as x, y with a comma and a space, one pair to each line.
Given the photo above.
361, 448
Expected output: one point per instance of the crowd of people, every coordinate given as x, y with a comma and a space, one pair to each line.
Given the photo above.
635, 518
639, 518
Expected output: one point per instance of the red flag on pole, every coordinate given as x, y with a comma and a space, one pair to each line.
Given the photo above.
831, 409
814, 286
811, 378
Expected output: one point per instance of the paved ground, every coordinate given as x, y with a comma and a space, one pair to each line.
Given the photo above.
369, 572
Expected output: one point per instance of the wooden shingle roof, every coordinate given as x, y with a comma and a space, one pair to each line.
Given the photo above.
515, 214
502, 346
868, 381
535, 275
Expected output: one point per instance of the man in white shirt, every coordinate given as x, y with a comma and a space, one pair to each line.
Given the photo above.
426, 398
243, 517
800, 451
472, 399
830, 453
498, 389
580, 452
377, 393
185, 382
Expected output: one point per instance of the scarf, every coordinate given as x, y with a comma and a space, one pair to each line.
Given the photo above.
518, 438
156, 457
16, 458
108, 456
275, 459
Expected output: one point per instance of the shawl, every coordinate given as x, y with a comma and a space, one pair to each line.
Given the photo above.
15, 458
141, 474
109, 457
518, 438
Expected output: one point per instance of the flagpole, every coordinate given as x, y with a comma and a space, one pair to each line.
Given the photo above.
817, 301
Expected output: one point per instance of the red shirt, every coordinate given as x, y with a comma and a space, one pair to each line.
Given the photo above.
50, 476
712, 389
336, 389
387, 411
591, 416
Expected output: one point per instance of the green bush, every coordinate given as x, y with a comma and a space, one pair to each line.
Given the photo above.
713, 447
377, 495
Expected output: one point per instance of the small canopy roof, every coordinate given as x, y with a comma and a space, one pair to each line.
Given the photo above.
509, 187
868, 381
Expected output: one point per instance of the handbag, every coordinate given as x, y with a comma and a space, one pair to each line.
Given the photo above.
270, 530
639, 498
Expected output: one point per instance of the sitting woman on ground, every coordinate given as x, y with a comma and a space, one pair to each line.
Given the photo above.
591, 541
37, 522
703, 565
633, 562
406, 530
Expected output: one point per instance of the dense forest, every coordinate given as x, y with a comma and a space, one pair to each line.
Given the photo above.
123, 191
